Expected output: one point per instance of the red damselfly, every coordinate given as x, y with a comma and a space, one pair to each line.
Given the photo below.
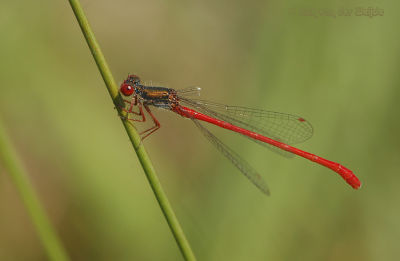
277, 131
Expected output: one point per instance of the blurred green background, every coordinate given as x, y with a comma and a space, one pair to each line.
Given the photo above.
340, 73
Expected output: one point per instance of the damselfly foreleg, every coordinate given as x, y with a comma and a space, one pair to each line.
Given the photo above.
133, 103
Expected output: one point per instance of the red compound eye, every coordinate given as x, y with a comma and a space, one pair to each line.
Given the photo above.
126, 89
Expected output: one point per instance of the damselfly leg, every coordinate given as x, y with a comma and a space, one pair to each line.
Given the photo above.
134, 102
151, 130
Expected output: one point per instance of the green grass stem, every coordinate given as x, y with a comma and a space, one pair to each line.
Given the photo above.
47, 235
133, 135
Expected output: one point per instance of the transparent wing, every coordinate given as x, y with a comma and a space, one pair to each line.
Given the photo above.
190, 91
287, 128
240, 163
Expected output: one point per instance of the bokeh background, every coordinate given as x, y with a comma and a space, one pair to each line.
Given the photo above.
340, 73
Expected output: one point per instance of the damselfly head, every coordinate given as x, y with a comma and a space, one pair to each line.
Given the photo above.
133, 79
126, 89
129, 86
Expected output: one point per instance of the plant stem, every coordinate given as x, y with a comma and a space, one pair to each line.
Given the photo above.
133, 135
14, 168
